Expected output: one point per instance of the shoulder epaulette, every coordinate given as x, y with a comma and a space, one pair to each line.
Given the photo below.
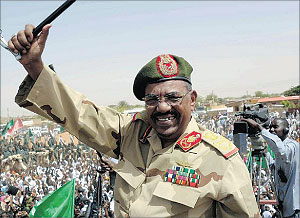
139, 116
226, 147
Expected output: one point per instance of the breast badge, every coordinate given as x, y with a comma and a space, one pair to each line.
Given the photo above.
182, 176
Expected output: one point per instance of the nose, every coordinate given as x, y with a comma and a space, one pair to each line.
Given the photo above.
163, 107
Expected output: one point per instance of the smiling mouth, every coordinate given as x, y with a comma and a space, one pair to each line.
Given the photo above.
166, 119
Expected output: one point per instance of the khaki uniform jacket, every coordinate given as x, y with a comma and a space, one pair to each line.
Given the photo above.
224, 190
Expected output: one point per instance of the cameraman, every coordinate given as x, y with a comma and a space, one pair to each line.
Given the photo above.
287, 172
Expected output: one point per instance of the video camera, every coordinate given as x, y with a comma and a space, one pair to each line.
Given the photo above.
257, 112
260, 114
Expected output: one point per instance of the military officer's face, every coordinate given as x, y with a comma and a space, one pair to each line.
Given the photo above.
169, 105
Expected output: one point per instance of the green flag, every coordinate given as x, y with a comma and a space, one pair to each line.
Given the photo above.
9, 125
56, 204
28, 135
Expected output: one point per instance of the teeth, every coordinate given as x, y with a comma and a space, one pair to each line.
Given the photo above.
165, 119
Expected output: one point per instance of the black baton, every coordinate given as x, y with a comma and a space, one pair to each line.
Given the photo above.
52, 16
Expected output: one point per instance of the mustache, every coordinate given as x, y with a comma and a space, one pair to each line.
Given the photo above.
157, 114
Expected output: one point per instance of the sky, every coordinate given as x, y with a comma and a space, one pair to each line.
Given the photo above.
97, 47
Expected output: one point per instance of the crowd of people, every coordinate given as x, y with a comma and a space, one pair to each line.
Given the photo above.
29, 174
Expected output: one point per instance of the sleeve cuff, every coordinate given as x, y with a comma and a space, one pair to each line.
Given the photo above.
27, 85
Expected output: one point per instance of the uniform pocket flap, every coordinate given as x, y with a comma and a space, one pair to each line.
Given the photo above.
133, 176
177, 193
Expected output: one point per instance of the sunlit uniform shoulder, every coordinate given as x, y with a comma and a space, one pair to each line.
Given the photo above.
223, 145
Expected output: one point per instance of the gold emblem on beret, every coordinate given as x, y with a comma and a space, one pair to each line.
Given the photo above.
167, 66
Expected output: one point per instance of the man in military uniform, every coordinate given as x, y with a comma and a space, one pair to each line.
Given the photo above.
169, 166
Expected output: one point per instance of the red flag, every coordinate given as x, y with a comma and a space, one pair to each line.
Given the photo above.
17, 125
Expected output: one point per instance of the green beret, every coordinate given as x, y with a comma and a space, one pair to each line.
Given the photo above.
159, 69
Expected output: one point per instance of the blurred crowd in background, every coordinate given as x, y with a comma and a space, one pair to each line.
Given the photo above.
27, 175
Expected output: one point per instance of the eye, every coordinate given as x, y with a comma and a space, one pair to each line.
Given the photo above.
173, 98
151, 100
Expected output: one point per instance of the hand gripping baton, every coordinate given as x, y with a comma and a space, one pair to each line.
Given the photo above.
39, 28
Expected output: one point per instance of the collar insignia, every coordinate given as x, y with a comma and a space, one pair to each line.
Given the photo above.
167, 66
139, 115
189, 141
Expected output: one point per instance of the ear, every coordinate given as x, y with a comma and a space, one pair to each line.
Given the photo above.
193, 99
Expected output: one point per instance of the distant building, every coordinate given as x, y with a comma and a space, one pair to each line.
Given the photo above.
277, 100
274, 103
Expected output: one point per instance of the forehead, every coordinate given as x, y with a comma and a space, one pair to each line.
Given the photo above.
166, 87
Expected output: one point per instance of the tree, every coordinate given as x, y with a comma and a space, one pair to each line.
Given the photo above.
289, 104
292, 91
259, 94
246, 96
285, 103
221, 100
211, 97
199, 101
123, 105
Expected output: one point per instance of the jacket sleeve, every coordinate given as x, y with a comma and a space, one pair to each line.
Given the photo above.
280, 149
98, 127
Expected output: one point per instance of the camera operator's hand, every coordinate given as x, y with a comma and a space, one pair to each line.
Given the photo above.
252, 123
30, 48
